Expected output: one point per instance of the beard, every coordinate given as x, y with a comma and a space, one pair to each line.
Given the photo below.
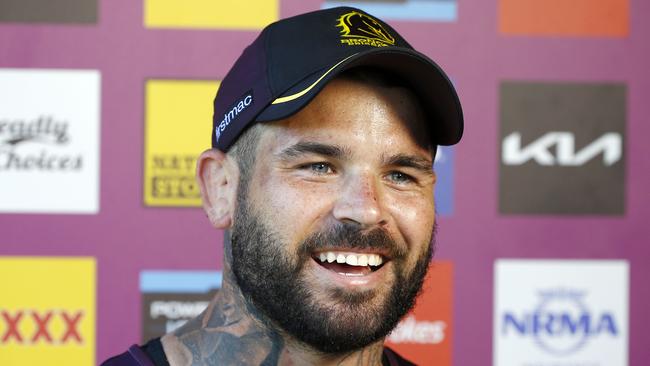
335, 320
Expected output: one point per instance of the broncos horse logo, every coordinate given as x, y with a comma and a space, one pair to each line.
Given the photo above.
365, 29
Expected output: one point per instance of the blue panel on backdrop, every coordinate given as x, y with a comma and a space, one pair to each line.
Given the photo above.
427, 10
444, 168
179, 281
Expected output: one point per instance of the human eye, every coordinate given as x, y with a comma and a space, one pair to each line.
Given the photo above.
400, 177
319, 168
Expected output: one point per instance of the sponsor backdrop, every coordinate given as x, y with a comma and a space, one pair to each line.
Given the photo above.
543, 245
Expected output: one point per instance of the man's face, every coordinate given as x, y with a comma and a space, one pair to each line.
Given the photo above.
347, 179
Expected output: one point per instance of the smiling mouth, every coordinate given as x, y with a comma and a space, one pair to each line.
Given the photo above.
350, 263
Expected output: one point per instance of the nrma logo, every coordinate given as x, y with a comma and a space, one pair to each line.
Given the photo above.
561, 324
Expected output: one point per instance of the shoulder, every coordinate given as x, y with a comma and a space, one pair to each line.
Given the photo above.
135, 356
392, 358
151, 354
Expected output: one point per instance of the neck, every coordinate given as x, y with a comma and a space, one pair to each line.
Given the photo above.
232, 332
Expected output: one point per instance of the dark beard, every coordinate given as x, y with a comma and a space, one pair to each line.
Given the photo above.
270, 279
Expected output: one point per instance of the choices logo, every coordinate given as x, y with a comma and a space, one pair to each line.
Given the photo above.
562, 148
53, 138
250, 14
44, 130
48, 317
610, 18
424, 335
171, 298
52, 11
176, 119
404, 10
568, 312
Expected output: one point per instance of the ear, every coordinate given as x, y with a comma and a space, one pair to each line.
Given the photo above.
218, 178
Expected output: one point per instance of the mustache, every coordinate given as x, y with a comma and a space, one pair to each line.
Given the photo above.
350, 236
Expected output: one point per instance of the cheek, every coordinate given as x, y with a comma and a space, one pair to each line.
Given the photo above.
295, 208
414, 218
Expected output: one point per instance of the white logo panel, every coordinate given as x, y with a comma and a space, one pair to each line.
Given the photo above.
561, 313
610, 145
49, 141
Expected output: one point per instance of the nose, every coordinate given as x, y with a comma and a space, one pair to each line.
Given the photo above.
360, 202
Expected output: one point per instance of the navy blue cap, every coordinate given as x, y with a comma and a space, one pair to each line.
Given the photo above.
294, 58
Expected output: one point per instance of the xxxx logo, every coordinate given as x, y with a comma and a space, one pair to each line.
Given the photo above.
43, 324
359, 29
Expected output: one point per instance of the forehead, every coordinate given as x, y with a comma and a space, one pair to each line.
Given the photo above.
357, 115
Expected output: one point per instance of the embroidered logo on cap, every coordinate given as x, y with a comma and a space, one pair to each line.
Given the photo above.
231, 114
359, 29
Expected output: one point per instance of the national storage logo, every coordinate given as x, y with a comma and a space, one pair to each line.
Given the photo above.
209, 14
47, 312
171, 298
561, 312
424, 336
562, 148
178, 120
585, 18
49, 132
404, 10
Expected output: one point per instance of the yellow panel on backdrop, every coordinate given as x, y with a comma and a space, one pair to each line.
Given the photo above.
226, 14
47, 311
178, 124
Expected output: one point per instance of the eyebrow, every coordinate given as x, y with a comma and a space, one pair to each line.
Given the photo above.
307, 147
421, 164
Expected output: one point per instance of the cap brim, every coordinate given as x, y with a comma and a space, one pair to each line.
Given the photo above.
435, 90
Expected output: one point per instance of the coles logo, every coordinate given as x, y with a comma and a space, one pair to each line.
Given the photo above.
47, 313
561, 313
359, 29
424, 335
410, 330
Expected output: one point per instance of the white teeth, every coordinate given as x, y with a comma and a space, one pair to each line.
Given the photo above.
363, 260
371, 260
352, 259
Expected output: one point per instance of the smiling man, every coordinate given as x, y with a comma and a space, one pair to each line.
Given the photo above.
320, 172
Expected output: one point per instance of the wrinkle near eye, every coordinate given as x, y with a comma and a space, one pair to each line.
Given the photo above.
422, 165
